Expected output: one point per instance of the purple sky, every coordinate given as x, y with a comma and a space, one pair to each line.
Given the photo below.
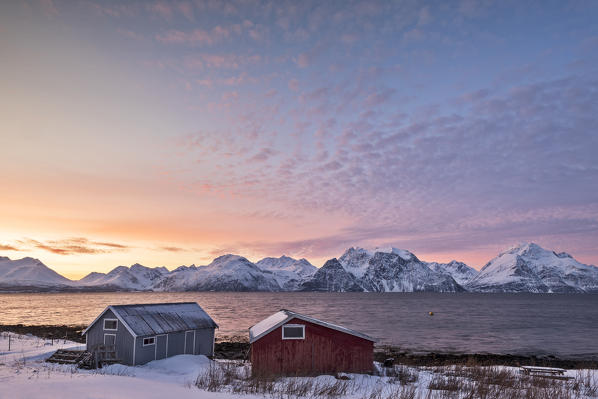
182, 130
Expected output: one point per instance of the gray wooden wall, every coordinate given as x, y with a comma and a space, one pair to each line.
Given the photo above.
124, 339
199, 342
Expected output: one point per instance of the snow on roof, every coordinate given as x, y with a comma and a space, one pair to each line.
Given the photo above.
160, 318
274, 321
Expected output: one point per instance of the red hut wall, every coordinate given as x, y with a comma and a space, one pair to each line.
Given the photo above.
323, 350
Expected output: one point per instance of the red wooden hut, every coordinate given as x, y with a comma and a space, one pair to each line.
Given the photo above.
288, 343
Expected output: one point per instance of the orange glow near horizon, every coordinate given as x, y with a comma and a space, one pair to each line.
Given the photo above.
261, 137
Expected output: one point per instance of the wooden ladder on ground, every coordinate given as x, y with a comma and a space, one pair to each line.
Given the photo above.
64, 356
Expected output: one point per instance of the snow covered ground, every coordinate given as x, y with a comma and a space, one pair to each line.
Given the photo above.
24, 374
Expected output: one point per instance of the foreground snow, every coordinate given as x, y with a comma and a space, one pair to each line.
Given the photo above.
24, 374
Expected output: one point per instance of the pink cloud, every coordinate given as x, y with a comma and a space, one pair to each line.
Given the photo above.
307, 58
263, 155
130, 34
49, 8
162, 9
294, 84
349, 38
424, 16
232, 95
303, 60
197, 36
414, 35
116, 11
186, 9
380, 97
204, 82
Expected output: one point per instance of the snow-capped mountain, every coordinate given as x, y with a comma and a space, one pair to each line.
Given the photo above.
225, 273
288, 272
462, 273
395, 270
137, 277
391, 272
524, 268
356, 260
332, 277
29, 272
531, 268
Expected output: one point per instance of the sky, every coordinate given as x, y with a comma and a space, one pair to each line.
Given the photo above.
172, 132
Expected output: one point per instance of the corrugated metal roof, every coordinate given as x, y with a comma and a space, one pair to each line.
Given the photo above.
161, 318
276, 320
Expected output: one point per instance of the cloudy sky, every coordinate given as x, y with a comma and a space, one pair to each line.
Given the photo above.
170, 132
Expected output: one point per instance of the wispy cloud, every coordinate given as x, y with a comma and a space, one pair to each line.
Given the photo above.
317, 125
196, 36
49, 8
70, 246
6, 247
172, 249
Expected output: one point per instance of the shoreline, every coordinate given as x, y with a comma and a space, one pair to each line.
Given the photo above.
237, 348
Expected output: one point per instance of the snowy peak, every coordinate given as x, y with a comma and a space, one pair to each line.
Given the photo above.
403, 253
462, 273
356, 260
136, 277
230, 261
29, 272
392, 272
526, 249
225, 273
391, 269
531, 268
301, 267
332, 277
288, 272
563, 255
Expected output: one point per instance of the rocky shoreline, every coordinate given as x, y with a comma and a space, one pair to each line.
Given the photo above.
237, 348
431, 359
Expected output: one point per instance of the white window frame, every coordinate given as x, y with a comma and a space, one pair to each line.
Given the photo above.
295, 326
110, 329
152, 338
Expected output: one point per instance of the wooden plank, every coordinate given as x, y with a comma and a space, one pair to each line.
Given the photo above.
542, 370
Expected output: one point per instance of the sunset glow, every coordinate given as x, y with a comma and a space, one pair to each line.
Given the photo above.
168, 133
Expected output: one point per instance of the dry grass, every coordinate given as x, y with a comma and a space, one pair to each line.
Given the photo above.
235, 378
401, 382
400, 374
501, 383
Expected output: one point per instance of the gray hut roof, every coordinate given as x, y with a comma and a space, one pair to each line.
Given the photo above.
160, 318
277, 319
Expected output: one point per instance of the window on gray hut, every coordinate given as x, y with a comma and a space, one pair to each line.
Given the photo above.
110, 324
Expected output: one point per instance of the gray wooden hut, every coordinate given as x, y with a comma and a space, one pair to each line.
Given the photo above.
137, 334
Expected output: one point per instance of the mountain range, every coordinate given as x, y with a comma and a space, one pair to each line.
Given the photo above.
522, 268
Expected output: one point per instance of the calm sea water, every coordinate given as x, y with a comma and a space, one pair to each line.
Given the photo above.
561, 325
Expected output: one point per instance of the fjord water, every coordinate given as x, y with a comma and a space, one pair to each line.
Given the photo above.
528, 324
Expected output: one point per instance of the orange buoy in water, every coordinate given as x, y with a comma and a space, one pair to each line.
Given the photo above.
431, 313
